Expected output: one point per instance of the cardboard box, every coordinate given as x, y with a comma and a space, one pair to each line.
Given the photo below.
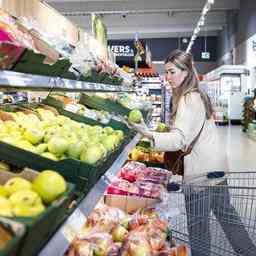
129, 204
27, 174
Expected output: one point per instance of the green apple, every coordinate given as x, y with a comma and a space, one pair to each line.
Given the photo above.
25, 197
17, 135
120, 134
41, 148
12, 126
3, 128
49, 156
161, 127
22, 210
103, 150
135, 116
109, 142
75, 149
33, 118
94, 140
58, 145
49, 133
3, 191
119, 233
5, 207
108, 130
26, 145
92, 154
34, 136
49, 185
16, 184
102, 247
9, 140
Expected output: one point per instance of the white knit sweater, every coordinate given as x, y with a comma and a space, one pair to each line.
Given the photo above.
208, 153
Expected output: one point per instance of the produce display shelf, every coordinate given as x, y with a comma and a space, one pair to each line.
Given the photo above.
59, 243
21, 81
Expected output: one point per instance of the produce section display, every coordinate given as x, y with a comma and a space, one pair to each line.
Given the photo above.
57, 137
36, 200
20, 197
110, 231
26, 47
79, 148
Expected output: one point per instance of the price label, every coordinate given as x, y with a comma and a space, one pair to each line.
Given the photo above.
72, 108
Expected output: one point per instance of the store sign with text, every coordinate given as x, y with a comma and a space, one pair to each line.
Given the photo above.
126, 52
122, 50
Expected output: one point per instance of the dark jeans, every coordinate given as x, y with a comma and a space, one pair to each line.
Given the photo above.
198, 208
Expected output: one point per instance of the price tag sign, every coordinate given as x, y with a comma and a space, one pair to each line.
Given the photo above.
72, 108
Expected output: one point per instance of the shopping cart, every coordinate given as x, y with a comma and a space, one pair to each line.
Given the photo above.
216, 216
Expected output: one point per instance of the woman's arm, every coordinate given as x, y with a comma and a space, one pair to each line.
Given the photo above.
188, 122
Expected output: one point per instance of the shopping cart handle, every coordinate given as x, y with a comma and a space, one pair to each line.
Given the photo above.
215, 175
172, 186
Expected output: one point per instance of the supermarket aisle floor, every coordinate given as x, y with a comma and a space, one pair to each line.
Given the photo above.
240, 149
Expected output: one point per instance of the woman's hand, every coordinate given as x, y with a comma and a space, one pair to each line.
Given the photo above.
141, 128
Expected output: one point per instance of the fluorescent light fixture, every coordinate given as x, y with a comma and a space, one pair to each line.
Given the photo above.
200, 23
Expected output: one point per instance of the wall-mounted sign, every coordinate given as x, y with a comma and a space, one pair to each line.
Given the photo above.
205, 55
126, 52
122, 50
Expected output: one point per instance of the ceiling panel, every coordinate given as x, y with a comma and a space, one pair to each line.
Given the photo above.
150, 18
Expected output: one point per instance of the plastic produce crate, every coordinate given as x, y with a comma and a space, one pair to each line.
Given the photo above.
32, 63
40, 228
51, 101
17, 230
83, 175
100, 103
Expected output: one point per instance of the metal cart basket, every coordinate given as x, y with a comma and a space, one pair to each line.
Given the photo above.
217, 216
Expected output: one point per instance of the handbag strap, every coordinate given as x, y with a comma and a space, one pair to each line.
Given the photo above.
190, 147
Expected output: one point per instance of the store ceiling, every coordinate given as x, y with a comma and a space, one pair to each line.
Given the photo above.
149, 18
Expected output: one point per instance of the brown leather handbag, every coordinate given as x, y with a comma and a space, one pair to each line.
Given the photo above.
174, 160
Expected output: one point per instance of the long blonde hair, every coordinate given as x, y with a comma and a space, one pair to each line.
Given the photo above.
184, 61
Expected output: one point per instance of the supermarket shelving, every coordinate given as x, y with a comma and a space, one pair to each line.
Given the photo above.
10, 80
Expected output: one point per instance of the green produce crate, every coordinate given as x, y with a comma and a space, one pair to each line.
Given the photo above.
51, 101
73, 171
40, 228
32, 63
83, 175
17, 230
100, 103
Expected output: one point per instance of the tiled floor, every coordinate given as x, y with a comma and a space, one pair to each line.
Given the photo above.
241, 150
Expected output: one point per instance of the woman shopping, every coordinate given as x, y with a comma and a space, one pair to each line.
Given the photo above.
194, 132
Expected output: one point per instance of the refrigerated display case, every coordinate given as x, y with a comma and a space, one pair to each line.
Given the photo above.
226, 86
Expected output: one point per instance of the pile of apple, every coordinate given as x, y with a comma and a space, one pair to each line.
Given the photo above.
110, 231
22, 198
58, 137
